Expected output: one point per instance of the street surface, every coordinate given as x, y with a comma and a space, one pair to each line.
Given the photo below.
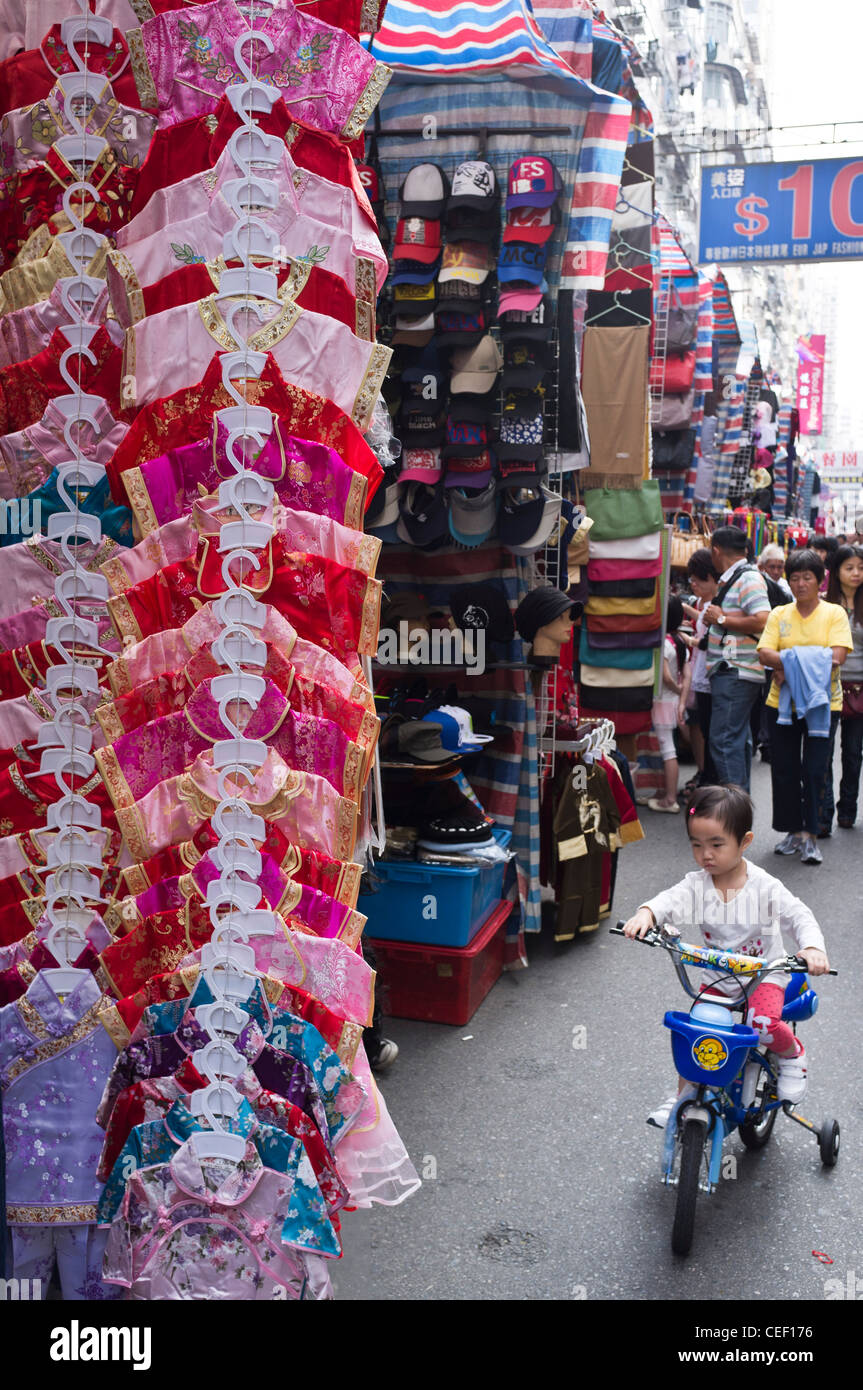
547, 1182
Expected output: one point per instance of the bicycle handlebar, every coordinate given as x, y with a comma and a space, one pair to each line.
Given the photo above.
708, 958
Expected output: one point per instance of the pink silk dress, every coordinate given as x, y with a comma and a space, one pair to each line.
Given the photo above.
27, 574
308, 476
312, 351
199, 240
317, 911
168, 651
28, 330
167, 693
183, 61
29, 455
305, 807
138, 761
26, 135
311, 196
323, 966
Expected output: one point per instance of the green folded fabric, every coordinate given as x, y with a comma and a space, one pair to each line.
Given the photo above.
635, 660
622, 514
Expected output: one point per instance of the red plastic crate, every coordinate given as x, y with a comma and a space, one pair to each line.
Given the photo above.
442, 984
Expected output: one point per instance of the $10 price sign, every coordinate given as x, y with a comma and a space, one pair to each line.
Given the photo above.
807, 211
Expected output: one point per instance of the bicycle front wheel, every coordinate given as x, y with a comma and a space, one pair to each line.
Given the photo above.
691, 1156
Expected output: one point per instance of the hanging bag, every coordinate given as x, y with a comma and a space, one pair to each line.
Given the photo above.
684, 543
673, 450
682, 323
673, 412
673, 374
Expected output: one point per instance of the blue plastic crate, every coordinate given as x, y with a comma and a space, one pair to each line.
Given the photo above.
433, 905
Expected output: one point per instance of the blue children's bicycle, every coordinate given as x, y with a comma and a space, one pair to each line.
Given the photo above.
735, 1076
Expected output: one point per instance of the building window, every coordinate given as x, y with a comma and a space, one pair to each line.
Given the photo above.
717, 87
719, 21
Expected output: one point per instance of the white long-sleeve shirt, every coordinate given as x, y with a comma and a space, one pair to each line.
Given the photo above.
751, 923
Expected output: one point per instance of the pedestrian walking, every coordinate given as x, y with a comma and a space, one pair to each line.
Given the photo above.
845, 587
703, 581
665, 706
804, 644
736, 620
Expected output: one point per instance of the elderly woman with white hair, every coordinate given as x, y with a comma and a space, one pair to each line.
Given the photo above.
771, 562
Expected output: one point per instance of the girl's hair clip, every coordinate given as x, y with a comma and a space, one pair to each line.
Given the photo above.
692, 810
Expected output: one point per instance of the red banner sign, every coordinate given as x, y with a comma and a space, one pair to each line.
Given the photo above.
810, 382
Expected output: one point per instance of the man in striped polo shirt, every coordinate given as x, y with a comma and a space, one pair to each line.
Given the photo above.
736, 676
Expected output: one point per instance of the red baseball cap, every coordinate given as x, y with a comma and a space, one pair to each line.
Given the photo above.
530, 224
417, 239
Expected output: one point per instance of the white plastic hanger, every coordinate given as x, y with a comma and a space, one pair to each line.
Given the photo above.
82, 243
70, 878
236, 647
72, 845
79, 150
74, 810
217, 1142
243, 417
219, 1060
73, 911
233, 892
78, 404
86, 25
240, 859
242, 195
251, 95
65, 942
250, 237
239, 607
249, 146
235, 816
74, 676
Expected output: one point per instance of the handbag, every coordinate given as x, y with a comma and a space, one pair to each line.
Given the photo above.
685, 543
682, 323
673, 373
673, 412
852, 700
673, 450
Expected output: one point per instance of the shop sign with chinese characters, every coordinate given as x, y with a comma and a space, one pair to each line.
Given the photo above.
808, 211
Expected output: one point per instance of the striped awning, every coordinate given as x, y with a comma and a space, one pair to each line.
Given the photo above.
568, 26
440, 38
724, 318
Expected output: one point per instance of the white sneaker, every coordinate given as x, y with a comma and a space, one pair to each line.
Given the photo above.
792, 1078
659, 1117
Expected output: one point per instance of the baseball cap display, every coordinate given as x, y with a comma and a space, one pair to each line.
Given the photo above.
464, 225
426, 370
465, 438
469, 472
472, 514
523, 299
527, 518
415, 740
525, 365
533, 182
484, 608
457, 732
414, 273
423, 520
421, 466
457, 294
537, 225
424, 192
466, 260
519, 472
522, 322
522, 261
474, 186
417, 239
475, 369
521, 419
458, 327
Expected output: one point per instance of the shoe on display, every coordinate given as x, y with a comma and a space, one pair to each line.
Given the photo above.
790, 845
792, 1078
672, 808
387, 1055
811, 853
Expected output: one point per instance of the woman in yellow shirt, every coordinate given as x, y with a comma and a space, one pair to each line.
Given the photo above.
800, 762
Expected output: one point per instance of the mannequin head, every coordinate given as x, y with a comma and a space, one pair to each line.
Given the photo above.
550, 638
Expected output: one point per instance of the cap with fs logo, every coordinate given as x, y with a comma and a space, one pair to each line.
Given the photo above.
533, 182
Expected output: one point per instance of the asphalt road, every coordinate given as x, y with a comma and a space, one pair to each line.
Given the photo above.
546, 1179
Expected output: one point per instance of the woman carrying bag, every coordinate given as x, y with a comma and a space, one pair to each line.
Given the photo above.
846, 588
704, 581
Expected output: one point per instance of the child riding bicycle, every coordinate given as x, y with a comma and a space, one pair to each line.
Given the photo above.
739, 908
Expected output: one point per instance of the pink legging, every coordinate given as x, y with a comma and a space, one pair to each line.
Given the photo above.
765, 1016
